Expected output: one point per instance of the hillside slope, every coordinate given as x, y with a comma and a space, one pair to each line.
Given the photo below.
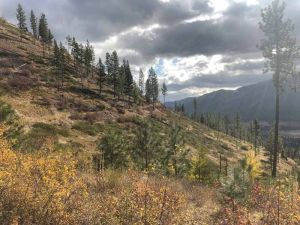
80, 117
49, 131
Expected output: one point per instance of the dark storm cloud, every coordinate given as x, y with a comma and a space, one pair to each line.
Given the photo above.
98, 19
235, 32
242, 10
201, 37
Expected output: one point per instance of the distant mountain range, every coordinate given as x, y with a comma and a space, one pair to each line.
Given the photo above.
253, 101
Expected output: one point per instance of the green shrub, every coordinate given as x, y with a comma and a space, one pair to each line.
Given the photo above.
36, 138
6, 112
115, 150
51, 129
225, 146
88, 128
244, 147
203, 169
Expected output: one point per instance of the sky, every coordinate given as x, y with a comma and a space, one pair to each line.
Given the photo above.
195, 46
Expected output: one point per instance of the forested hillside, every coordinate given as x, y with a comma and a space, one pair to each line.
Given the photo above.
83, 143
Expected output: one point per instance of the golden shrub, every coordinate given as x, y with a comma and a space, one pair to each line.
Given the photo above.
36, 189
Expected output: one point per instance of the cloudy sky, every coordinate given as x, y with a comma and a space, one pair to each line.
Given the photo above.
195, 46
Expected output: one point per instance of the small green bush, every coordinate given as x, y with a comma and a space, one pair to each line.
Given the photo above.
6, 112
88, 128
51, 129
244, 147
225, 146
36, 138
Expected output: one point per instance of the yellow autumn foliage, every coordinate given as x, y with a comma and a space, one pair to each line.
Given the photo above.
46, 188
253, 165
37, 189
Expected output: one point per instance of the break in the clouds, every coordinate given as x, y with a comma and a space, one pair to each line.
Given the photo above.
195, 46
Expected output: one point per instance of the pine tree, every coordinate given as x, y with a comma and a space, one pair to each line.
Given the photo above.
55, 54
114, 71
43, 28
93, 58
115, 149
88, 57
69, 42
75, 52
33, 24
21, 17
108, 66
152, 87
202, 119
135, 93
56, 59
49, 37
141, 82
226, 124
62, 60
128, 80
195, 108
121, 80
280, 49
101, 74
256, 134
164, 91
147, 145
148, 92
43, 31
183, 109
59, 62
251, 132
81, 62
176, 154
237, 127
200, 166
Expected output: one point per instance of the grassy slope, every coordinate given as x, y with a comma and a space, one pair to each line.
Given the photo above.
42, 103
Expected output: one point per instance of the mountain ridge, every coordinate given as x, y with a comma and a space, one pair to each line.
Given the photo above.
256, 101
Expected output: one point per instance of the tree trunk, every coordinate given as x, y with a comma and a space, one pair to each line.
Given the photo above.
153, 103
255, 144
43, 49
100, 87
146, 160
276, 131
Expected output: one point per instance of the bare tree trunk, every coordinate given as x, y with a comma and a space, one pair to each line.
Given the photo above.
276, 131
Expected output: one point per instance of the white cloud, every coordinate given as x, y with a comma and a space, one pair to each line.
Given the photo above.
194, 92
182, 69
248, 2
203, 18
219, 5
